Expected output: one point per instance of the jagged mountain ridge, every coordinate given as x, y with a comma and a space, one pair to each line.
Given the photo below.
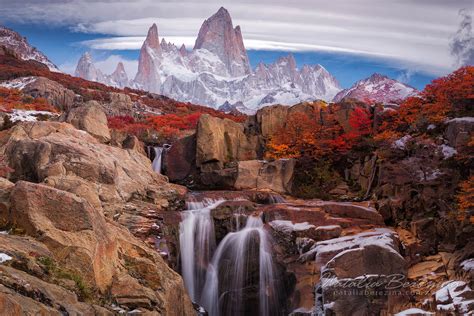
86, 69
19, 44
217, 70
377, 88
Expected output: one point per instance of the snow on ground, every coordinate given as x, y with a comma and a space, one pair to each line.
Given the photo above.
469, 119
28, 115
289, 226
4, 257
382, 237
454, 297
402, 142
467, 265
18, 83
413, 311
448, 151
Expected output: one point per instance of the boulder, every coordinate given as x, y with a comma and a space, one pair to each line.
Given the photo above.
263, 175
69, 159
120, 104
220, 141
132, 142
89, 118
83, 243
459, 132
179, 161
271, 119
56, 94
352, 266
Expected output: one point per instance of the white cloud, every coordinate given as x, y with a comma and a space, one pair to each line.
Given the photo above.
410, 32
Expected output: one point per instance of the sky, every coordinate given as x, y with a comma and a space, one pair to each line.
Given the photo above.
413, 41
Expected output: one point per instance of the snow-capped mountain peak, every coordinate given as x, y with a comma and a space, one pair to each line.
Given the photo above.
217, 71
377, 88
87, 70
20, 46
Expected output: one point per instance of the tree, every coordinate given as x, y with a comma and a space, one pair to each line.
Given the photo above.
465, 198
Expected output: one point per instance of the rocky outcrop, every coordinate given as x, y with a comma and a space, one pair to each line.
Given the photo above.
220, 141
459, 132
179, 162
71, 194
57, 95
355, 264
90, 118
262, 175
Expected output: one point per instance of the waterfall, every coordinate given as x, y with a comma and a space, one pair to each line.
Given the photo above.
238, 277
197, 243
157, 161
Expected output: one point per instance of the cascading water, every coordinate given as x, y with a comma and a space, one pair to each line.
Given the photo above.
156, 165
197, 243
239, 280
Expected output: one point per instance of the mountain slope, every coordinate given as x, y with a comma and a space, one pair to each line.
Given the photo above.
377, 88
18, 44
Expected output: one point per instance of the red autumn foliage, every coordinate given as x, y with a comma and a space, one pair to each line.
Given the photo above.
446, 97
313, 135
13, 99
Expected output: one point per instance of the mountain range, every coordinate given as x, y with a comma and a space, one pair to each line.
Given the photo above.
216, 72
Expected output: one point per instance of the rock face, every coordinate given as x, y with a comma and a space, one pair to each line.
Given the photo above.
85, 69
20, 46
217, 71
119, 77
56, 94
220, 141
368, 258
377, 88
459, 132
256, 174
70, 190
149, 62
218, 36
90, 118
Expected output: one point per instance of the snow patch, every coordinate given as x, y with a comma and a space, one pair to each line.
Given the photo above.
28, 115
467, 265
4, 257
18, 83
413, 311
448, 151
402, 142
469, 119
452, 297
289, 226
